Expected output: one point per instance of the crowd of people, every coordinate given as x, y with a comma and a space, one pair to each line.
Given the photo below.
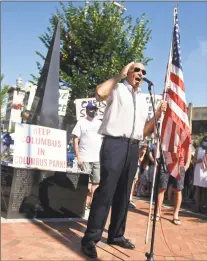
194, 193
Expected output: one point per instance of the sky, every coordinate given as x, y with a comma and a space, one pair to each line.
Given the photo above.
23, 22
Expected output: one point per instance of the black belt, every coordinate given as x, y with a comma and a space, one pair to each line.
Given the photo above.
128, 140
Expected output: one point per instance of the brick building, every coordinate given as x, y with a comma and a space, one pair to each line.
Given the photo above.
198, 120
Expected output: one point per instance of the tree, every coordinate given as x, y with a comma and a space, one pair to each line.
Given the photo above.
96, 41
3, 93
197, 140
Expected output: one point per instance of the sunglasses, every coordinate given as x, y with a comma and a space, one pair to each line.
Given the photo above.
137, 69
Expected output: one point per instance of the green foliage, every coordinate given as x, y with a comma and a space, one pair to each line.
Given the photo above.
12, 130
34, 80
96, 42
197, 140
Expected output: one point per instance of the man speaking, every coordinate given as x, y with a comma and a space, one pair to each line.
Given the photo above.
123, 126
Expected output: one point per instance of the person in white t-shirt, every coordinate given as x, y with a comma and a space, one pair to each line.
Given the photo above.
87, 143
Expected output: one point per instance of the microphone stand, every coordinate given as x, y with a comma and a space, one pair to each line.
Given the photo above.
160, 167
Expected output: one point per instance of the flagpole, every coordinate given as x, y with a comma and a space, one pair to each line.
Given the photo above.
159, 161
152, 194
167, 78
166, 83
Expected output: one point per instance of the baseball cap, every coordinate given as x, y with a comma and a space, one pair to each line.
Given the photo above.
90, 106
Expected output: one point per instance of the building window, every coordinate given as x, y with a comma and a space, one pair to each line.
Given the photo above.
199, 127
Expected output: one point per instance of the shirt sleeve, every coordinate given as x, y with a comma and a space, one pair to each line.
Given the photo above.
77, 130
112, 94
110, 97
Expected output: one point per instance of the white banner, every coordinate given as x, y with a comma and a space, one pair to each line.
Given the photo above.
63, 101
157, 101
82, 103
15, 116
81, 107
18, 97
39, 147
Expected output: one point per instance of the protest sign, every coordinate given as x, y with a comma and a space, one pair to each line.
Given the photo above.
82, 103
39, 147
63, 101
157, 99
81, 107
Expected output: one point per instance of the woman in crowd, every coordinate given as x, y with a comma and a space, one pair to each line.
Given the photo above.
141, 155
143, 186
200, 175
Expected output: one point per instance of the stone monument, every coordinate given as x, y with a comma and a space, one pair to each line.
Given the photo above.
36, 193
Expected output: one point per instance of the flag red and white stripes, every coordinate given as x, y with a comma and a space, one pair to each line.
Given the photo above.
175, 131
204, 162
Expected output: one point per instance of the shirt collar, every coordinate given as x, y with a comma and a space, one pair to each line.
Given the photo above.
130, 88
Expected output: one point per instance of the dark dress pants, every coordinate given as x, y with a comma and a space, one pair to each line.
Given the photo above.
118, 162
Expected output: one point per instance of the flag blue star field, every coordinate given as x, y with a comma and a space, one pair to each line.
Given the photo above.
176, 55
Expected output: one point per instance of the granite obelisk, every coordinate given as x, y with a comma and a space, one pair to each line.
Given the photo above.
44, 110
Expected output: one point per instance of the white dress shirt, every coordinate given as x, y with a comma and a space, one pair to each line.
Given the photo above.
125, 114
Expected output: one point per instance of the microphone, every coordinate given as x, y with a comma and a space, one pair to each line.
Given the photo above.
147, 81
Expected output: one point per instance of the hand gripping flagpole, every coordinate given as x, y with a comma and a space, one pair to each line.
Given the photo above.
160, 164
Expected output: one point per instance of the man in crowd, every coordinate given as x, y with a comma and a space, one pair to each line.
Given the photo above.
177, 184
123, 126
6, 141
152, 159
87, 143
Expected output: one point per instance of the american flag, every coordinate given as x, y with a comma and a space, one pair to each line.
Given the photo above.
175, 131
204, 161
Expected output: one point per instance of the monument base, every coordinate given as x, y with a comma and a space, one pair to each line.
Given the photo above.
30, 193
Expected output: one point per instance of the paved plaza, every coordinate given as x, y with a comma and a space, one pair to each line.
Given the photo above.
52, 240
